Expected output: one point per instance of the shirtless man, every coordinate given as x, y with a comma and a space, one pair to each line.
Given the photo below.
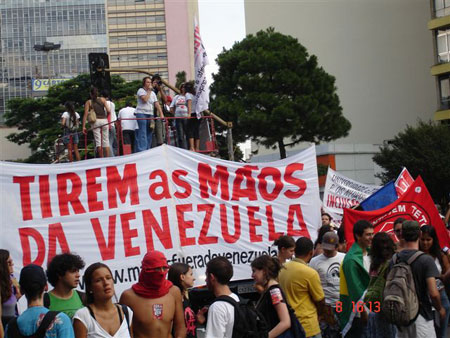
155, 301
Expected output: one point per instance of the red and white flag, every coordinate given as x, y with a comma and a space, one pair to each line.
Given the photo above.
200, 61
403, 182
416, 204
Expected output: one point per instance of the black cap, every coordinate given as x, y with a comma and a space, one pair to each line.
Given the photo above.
32, 276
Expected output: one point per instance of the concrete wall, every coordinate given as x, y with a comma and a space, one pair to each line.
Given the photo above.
380, 52
11, 151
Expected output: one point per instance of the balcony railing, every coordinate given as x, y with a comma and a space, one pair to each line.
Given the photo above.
87, 148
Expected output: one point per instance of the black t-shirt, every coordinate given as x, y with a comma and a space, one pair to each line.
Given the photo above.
422, 268
272, 296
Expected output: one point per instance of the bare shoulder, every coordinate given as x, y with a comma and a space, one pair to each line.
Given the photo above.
127, 296
175, 292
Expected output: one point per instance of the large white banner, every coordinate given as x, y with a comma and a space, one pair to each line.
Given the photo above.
342, 192
200, 61
190, 206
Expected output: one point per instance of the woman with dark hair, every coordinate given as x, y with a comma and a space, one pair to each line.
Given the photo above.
193, 126
272, 302
286, 247
9, 288
70, 120
182, 276
429, 243
382, 250
101, 318
100, 127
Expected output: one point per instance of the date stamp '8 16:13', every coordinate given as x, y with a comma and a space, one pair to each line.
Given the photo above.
359, 306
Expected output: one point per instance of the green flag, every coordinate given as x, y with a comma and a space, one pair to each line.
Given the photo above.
354, 281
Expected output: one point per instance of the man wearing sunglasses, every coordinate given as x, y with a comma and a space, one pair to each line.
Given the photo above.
155, 301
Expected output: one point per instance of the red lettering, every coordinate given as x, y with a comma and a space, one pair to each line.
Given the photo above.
56, 234
122, 185
206, 178
203, 238
224, 224
273, 235
301, 184
25, 234
107, 251
73, 197
163, 232
250, 190
181, 183
262, 186
184, 224
25, 199
253, 223
296, 210
93, 188
164, 185
44, 193
331, 202
129, 234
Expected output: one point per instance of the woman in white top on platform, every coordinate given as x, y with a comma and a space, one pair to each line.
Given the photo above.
101, 318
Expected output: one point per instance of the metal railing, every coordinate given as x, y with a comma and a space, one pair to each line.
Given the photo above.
208, 144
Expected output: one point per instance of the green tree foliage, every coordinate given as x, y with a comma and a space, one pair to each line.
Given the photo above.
38, 120
424, 150
180, 78
272, 90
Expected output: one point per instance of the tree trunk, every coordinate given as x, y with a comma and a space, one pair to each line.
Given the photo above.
282, 149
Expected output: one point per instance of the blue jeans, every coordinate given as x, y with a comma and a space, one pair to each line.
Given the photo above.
379, 327
144, 134
442, 332
181, 125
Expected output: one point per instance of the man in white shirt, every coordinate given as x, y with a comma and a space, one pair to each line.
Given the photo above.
220, 314
128, 123
328, 265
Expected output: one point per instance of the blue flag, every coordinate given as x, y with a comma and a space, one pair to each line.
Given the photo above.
380, 198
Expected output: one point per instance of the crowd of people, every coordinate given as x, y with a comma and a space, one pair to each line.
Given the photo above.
142, 127
320, 290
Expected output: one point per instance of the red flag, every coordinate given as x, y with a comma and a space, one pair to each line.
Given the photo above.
415, 204
403, 182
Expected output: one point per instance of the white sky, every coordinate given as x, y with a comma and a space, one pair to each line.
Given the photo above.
222, 22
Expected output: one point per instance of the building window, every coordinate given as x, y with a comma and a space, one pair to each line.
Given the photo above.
443, 45
441, 8
444, 91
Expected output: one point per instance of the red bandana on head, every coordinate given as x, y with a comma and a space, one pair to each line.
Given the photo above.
153, 284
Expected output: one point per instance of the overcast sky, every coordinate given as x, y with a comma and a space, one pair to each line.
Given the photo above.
222, 22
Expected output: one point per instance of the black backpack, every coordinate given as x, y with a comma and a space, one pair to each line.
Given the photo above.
296, 328
13, 328
248, 322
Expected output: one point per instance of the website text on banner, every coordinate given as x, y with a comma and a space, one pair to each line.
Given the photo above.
342, 192
415, 204
190, 206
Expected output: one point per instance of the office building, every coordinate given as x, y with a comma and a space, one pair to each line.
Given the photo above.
440, 28
153, 35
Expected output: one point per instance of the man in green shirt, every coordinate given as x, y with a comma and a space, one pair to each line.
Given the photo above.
63, 273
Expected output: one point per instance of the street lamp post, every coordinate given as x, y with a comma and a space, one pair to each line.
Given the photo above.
47, 47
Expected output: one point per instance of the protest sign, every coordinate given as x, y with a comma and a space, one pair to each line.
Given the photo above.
342, 192
190, 206
415, 204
